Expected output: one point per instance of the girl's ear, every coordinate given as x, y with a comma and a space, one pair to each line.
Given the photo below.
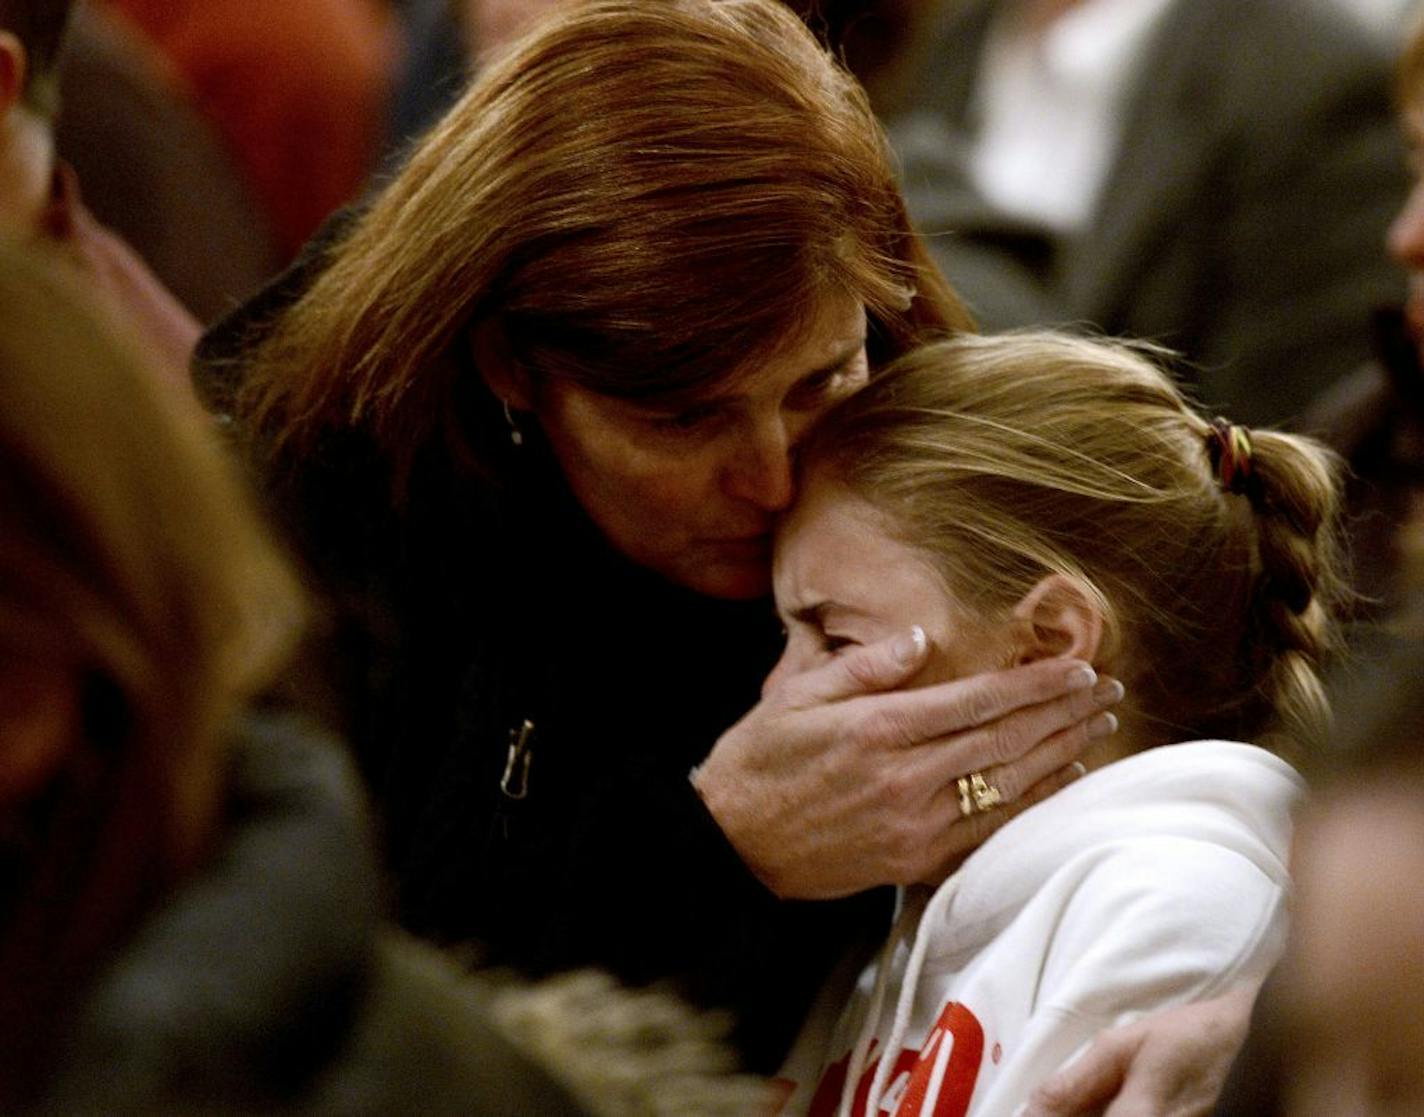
1059, 617
502, 374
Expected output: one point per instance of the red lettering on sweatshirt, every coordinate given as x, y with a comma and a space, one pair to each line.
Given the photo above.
960, 1059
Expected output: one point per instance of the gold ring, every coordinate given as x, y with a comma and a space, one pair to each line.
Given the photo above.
976, 794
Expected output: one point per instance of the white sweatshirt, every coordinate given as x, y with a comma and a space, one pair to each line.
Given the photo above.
1154, 881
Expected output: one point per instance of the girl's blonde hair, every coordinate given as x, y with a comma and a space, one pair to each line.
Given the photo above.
132, 565
643, 198
1005, 459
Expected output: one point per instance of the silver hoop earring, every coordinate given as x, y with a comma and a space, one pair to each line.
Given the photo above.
516, 435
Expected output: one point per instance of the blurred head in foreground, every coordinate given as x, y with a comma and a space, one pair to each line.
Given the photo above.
1353, 977
140, 605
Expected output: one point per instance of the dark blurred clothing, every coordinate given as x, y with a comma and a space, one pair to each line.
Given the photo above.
1244, 212
155, 171
485, 600
297, 90
1374, 418
266, 984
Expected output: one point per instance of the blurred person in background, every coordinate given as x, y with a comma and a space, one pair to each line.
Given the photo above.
1345, 1006
1337, 1028
39, 193
489, 26
448, 39
154, 169
1208, 174
298, 91
1374, 416
446, 42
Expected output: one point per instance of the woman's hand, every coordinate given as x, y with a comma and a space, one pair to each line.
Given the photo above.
834, 783
1172, 1064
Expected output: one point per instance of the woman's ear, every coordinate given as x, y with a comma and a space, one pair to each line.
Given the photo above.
503, 375
1061, 616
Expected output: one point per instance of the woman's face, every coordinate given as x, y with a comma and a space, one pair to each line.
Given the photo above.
693, 493
842, 579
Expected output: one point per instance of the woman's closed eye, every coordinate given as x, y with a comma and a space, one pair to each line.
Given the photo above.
692, 420
833, 645
830, 384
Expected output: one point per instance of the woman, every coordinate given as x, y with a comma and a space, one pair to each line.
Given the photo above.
1032, 497
529, 418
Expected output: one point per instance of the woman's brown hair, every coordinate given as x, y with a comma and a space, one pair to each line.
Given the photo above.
133, 570
642, 198
1005, 459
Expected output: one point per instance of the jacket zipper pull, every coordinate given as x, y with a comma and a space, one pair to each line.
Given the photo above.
515, 781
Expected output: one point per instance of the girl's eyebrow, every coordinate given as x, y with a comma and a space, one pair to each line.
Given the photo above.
813, 614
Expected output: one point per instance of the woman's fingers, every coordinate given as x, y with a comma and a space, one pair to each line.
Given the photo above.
828, 787
1029, 745
867, 670
954, 836
1173, 1063
933, 711
1067, 724
1046, 768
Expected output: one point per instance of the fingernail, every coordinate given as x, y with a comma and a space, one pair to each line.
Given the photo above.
1080, 678
1079, 769
1109, 692
1104, 725
909, 647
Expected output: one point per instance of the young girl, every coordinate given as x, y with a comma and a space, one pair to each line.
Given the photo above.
1031, 496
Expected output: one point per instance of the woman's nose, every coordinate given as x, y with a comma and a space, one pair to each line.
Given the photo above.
761, 474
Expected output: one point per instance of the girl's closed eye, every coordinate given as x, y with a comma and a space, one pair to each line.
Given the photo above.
830, 384
833, 645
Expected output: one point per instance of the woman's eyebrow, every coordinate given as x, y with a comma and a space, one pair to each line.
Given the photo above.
842, 358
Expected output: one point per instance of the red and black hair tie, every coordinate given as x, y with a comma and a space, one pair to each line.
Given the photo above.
1229, 447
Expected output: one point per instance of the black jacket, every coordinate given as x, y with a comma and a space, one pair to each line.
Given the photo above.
484, 601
